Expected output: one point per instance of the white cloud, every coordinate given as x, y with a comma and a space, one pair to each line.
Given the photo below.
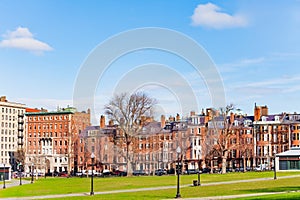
22, 38
233, 66
209, 15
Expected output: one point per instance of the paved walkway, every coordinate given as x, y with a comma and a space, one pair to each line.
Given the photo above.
15, 183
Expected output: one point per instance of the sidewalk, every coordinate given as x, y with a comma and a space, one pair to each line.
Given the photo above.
15, 183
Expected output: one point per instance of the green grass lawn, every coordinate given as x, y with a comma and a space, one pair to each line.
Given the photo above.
80, 185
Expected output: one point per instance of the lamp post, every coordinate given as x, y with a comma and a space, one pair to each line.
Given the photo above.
275, 177
178, 151
4, 176
92, 177
45, 166
20, 173
32, 171
244, 167
199, 170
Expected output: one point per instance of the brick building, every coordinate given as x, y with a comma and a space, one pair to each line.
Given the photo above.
52, 142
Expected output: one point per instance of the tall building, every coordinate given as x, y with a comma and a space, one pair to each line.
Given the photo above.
52, 139
11, 131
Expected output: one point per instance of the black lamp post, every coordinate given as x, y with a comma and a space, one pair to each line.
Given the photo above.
92, 177
178, 150
32, 171
20, 173
275, 177
4, 177
199, 183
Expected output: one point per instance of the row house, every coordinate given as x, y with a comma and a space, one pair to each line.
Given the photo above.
154, 147
251, 140
101, 141
11, 131
52, 139
238, 142
274, 134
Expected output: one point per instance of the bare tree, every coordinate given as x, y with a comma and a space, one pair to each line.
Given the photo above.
220, 135
225, 135
127, 112
20, 156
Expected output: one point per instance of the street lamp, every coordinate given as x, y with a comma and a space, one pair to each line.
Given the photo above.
92, 177
4, 176
275, 177
199, 170
20, 173
178, 151
32, 171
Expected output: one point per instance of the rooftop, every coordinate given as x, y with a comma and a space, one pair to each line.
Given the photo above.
294, 151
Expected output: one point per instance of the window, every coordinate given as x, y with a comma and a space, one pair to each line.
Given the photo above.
294, 164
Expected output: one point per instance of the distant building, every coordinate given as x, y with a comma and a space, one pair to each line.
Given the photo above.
52, 139
11, 131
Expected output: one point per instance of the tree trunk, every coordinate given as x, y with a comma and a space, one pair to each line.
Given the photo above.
224, 162
128, 161
244, 164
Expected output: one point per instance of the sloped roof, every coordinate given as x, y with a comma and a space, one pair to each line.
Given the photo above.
295, 151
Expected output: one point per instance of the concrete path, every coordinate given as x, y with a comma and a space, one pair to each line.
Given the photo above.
15, 183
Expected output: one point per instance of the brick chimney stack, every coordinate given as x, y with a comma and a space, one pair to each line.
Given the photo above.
102, 121
177, 117
3, 99
192, 113
162, 121
231, 117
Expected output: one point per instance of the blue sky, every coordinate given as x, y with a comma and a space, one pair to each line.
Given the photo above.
254, 44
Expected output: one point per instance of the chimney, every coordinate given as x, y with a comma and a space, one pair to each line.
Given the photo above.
177, 117
111, 122
162, 121
3, 99
264, 110
257, 112
231, 117
102, 121
193, 113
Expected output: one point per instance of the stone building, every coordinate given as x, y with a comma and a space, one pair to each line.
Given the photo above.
11, 131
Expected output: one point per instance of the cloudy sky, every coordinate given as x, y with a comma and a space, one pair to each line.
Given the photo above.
255, 46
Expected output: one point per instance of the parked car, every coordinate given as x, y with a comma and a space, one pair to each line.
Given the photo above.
106, 172
63, 174
119, 173
138, 173
171, 171
18, 174
205, 170
239, 169
191, 171
261, 167
160, 172
79, 174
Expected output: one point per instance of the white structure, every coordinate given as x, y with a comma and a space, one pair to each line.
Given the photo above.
11, 130
5, 172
